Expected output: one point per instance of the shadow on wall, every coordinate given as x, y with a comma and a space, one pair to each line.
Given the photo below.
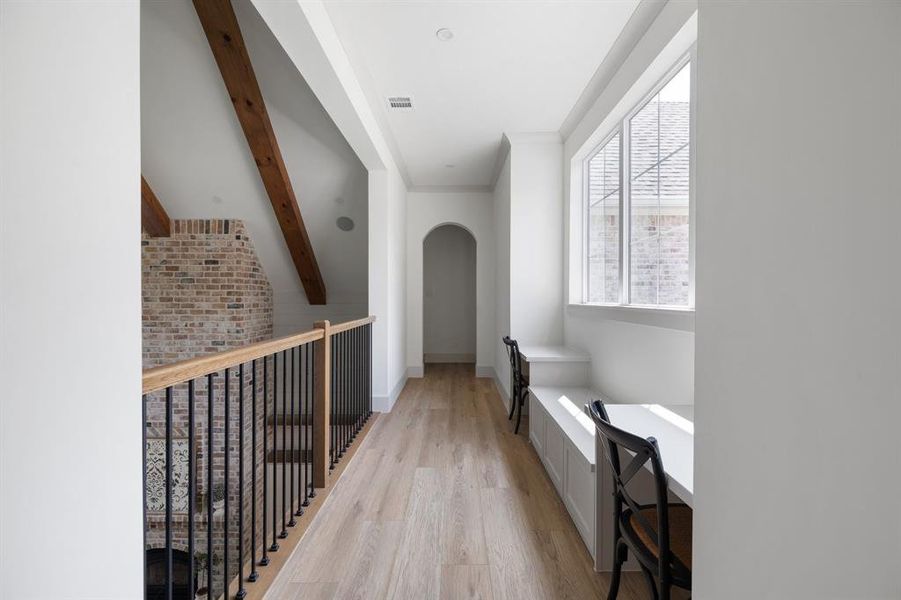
449, 295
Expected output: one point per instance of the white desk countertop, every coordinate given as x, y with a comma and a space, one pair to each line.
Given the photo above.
671, 425
675, 438
552, 354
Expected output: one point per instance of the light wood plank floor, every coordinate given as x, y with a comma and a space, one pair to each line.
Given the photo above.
442, 501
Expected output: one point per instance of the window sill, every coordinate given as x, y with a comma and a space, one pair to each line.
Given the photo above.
682, 319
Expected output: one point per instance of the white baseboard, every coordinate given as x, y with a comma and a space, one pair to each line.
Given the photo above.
386, 403
485, 371
416, 372
448, 358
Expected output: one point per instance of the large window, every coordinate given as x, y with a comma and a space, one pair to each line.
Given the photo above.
638, 249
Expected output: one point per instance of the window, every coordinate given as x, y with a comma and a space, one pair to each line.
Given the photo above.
638, 249
604, 198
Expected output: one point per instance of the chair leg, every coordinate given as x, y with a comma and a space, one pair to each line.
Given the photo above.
651, 583
520, 400
620, 553
513, 396
518, 416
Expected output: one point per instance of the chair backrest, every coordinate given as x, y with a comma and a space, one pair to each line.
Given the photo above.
515, 359
644, 450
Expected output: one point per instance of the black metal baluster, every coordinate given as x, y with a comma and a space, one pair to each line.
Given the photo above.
291, 511
305, 418
358, 371
284, 531
227, 447
253, 477
347, 389
343, 396
369, 377
339, 367
333, 401
343, 359
346, 394
299, 430
312, 349
241, 592
169, 493
363, 376
265, 559
144, 483
358, 377
191, 490
209, 489
274, 546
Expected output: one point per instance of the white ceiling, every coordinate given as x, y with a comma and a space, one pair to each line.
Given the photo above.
512, 66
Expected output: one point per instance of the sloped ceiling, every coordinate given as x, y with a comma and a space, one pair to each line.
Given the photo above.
195, 156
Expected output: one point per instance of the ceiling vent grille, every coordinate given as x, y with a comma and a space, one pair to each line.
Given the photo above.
400, 103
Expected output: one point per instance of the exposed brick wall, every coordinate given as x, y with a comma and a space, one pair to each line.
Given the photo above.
204, 291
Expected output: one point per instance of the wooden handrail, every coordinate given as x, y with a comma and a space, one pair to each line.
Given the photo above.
162, 377
351, 325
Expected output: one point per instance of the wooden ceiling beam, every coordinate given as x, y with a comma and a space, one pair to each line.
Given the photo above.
224, 36
154, 219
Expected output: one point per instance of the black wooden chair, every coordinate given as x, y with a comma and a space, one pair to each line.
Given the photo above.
519, 387
658, 534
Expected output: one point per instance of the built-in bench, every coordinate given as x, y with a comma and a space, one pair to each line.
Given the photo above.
563, 436
555, 365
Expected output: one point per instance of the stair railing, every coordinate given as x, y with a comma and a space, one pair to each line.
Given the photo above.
236, 445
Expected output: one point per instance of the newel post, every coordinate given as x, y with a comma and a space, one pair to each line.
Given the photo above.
321, 401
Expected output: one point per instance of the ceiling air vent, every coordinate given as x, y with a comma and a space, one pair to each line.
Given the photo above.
400, 103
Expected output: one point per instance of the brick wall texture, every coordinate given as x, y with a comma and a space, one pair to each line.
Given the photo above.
204, 291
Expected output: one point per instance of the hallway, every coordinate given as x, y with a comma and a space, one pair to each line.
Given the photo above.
443, 501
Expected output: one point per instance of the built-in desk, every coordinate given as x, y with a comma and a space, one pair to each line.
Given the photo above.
564, 437
674, 429
555, 365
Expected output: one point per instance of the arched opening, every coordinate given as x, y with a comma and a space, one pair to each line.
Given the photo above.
449, 296
156, 574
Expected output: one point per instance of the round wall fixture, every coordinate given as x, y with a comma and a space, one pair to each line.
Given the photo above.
345, 223
444, 34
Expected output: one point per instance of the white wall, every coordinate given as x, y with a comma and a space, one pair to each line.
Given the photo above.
449, 295
396, 272
196, 158
528, 213
387, 290
637, 356
536, 238
798, 467
70, 301
475, 212
309, 39
501, 208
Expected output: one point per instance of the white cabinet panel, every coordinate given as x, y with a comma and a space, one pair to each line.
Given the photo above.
537, 420
553, 457
579, 493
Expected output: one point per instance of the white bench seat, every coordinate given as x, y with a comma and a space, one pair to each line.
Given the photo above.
563, 437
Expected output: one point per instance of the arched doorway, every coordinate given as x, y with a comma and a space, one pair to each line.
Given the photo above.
156, 575
449, 296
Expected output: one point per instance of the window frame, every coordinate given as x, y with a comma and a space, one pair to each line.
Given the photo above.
623, 129
586, 217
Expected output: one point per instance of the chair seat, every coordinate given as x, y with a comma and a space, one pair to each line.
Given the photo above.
679, 525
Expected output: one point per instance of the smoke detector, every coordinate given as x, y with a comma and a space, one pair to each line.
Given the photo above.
400, 103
